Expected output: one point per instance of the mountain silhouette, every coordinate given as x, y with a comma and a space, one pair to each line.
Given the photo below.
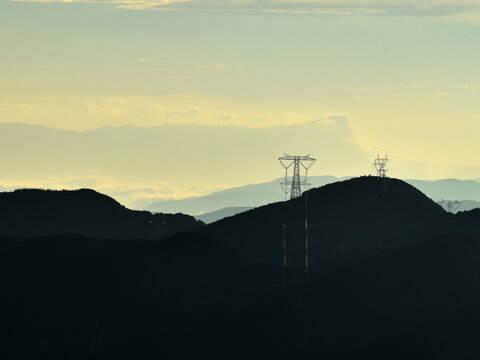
360, 213
392, 276
33, 212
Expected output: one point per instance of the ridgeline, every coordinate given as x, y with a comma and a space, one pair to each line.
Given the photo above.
34, 212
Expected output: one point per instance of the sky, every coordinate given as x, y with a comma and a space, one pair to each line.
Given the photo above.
404, 73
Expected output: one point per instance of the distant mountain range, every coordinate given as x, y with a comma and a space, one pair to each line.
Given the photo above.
451, 189
466, 191
467, 205
221, 214
245, 196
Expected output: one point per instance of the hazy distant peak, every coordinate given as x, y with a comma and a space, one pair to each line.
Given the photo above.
341, 122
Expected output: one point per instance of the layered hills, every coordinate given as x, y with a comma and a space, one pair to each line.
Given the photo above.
244, 196
393, 275
465, 191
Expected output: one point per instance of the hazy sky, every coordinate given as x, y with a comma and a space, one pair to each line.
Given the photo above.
405, 73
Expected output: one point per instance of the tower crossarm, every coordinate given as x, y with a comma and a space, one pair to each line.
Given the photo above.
295, 157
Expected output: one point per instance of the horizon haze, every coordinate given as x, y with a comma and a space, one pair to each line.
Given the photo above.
139, 166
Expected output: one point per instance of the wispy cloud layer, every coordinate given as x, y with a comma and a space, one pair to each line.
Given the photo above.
458, 10
409, 86
131, 195
472, 17
467, 87
219, 67
211, 67
145, 61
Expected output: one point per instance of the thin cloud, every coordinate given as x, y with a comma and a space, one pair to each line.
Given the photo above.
411, 86
471, 17
145, 61
414, 86
191, 111
126, 193
349, 89
125, 4
24, 106
226, 116
219, 67
327, 11
453, 10
106, 107
212, 67
467, 87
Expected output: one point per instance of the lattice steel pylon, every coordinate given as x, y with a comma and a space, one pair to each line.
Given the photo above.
381, 166
450, 205
296, 185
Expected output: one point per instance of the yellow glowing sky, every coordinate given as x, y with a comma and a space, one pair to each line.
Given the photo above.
404, 73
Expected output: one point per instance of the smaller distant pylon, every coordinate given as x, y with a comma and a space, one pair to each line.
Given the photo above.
450, 205
381, 166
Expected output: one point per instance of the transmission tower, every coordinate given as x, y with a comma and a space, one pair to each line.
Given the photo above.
450, 205
381, 166
295, 185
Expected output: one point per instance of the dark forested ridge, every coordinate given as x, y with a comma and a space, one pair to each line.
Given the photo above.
359, 213
394, 276
33, 212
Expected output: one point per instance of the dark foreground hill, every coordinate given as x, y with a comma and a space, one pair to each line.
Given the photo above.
359, 213
84, 212
416, 301
68, 297
189, 297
